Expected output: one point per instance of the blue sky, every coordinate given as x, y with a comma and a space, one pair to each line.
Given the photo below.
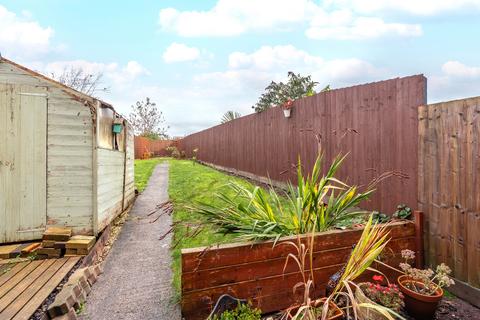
198, 59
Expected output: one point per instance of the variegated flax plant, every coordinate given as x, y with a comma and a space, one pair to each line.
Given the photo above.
372, 242
315, 203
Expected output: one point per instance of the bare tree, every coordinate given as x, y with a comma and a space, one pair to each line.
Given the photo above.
76, 78
147, 120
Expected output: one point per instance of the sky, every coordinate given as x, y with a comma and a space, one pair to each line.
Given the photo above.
199, 59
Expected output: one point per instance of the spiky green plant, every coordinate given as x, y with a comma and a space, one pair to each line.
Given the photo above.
373, 240
229, 116
316, 203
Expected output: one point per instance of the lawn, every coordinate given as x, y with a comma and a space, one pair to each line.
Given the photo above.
189, 183
143, 171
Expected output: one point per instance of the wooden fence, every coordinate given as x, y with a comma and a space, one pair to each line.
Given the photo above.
145, 146
256, 270
376, 123
449, 189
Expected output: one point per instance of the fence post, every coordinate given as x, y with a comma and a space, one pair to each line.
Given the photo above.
418, 220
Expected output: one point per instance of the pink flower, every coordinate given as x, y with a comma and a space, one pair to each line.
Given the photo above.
288, 104
377, 278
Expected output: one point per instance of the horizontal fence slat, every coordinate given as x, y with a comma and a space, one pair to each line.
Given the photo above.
271, 267
256, 270
226, 255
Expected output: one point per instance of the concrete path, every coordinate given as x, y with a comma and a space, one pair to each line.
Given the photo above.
136, 283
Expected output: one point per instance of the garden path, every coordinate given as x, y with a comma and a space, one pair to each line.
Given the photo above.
137, 278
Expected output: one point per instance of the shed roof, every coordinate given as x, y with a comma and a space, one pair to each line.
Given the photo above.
70, 91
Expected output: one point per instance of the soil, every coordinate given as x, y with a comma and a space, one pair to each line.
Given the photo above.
454, 308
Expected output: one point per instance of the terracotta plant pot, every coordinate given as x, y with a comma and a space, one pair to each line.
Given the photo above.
337, 313
419, 306
367, 313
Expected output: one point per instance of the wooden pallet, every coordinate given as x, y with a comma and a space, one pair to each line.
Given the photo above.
26, 285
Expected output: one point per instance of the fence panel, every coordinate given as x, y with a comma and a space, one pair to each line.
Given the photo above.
144, 146
449, 188
375, 123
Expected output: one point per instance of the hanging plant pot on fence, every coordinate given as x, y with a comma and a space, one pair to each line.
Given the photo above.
419, 306
287, 112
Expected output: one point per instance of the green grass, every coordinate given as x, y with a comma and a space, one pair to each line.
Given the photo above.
143, 171
191, 182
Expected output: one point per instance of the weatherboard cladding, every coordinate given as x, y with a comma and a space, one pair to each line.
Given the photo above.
71, 170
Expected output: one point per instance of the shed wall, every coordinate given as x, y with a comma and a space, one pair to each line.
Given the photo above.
109, 185
69, 153
129, 171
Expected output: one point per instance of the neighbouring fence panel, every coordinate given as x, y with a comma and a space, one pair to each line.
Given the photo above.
255, 271
449, 185
376, 123
145, 146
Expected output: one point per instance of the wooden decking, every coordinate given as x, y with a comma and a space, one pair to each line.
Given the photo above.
25, 285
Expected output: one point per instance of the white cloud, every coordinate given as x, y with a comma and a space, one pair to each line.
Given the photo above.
343, 25
459, 70
178, 52
422, 7
114, 75
231, 18
456, 80
21, 36
276, 61
135, 69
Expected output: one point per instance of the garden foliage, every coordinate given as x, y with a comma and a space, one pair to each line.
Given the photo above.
315, 203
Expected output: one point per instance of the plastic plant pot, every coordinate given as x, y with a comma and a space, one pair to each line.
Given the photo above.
287, 112
336, 312
419, 306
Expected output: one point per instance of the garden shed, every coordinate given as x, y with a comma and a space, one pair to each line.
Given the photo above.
66, 158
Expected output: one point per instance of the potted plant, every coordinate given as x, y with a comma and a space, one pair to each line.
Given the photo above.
375, 293
322, 308
422, 288
403, 212
230, 308
287, 108
310, 308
